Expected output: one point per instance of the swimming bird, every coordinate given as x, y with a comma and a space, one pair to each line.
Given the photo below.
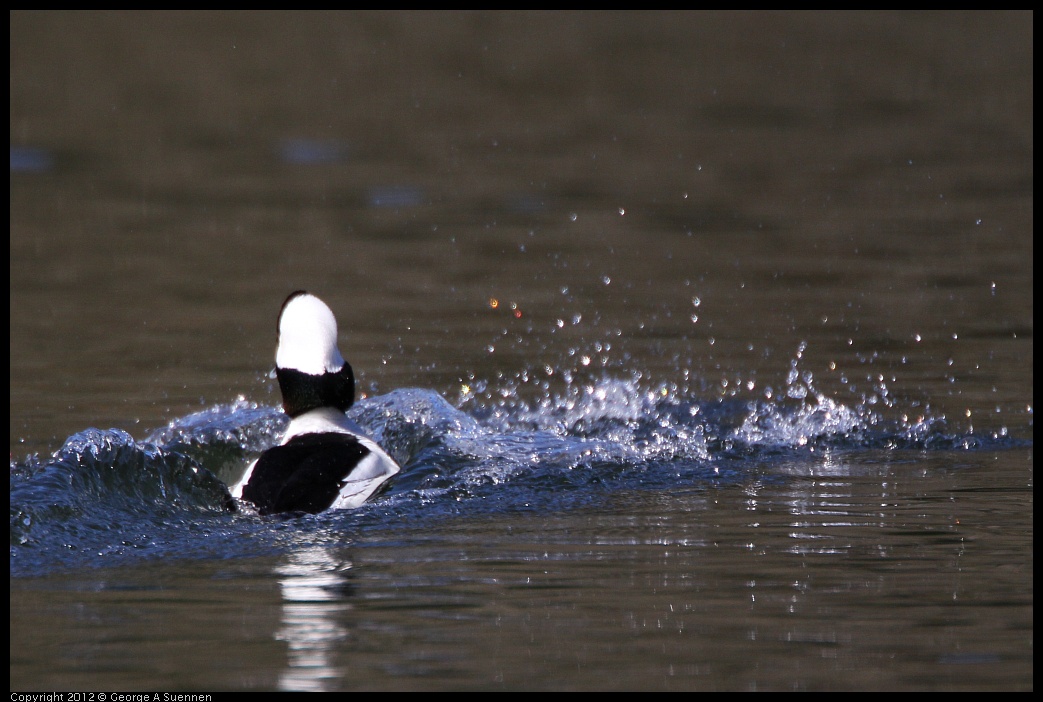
325, 461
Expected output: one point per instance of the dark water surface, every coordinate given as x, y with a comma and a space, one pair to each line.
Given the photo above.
705, 341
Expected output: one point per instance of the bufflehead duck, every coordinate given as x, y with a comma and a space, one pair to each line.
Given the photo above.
324, 461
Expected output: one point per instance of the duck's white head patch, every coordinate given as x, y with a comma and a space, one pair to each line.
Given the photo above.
307, 336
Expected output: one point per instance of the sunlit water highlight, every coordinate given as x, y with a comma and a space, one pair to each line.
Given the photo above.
105, 498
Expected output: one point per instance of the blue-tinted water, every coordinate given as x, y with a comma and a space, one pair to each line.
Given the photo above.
106, 499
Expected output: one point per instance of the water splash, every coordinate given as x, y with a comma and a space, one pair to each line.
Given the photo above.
508, 444
93, 493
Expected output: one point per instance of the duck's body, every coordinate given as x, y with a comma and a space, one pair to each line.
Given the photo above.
324, 460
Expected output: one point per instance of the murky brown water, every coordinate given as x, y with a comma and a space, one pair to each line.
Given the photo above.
689, 196
802, 585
